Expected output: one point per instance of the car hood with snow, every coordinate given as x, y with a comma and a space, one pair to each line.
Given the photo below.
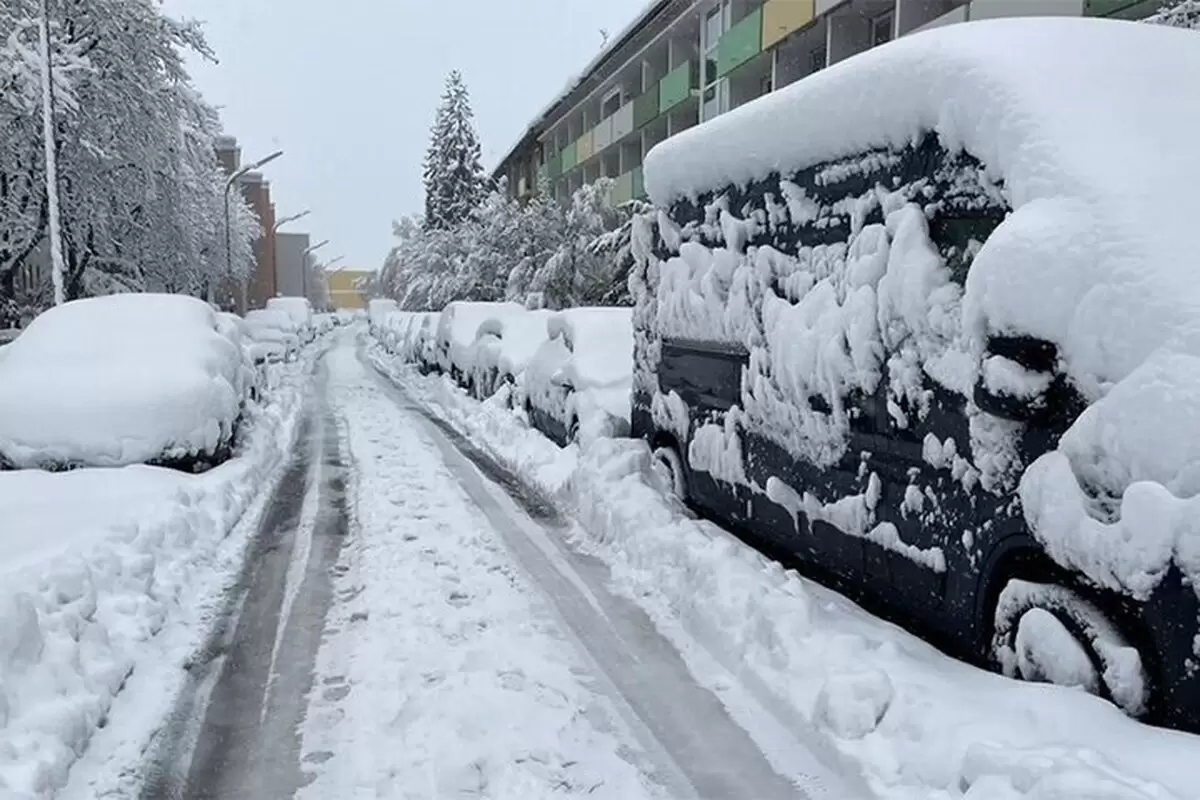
1078, 126
120, 380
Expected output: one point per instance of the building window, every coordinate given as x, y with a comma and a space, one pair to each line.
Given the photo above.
716, 91
816, 60
881, 28
611, 103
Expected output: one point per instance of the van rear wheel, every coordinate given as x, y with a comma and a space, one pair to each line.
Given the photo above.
1046, 633
668, 466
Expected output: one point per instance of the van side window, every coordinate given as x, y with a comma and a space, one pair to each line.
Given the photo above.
705, 375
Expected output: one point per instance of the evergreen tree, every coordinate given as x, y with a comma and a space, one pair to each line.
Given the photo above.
454, 177
1178, 14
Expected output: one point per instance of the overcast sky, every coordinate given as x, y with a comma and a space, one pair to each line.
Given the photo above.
348, 88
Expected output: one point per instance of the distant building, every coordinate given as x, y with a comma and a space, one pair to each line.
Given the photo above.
290, 263
257, 193
684, 62
344, 292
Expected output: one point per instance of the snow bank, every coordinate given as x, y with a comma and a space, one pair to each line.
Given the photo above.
1098, 168
919, 725
120, 380
100, 565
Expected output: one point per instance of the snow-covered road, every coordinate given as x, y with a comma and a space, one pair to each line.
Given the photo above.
467, 650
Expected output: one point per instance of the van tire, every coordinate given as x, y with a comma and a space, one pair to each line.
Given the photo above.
668, 465
1047, 633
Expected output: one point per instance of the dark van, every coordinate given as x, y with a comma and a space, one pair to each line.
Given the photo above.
852, 450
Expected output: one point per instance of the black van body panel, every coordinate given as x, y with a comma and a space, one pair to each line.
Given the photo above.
980, 532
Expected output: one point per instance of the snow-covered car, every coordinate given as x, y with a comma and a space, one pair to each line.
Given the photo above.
928, 321
377, 311
578, 383
503, 347
323, 323
456, 329
272, 336
299, 310
127, 379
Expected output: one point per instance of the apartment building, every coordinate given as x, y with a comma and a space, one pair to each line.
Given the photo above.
683, 62
345, 288
256, 191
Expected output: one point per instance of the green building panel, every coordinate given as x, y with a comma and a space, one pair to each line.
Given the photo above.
676, 86
639, 184
622, 190
570, 156
740, 43
645, 107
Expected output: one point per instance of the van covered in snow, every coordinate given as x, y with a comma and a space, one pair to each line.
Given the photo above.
928, 323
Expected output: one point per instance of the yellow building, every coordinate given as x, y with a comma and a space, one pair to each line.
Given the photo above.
343, 289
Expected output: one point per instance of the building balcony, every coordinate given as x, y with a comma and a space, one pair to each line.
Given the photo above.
645, 107
783, 17
740, 43
677, 85
570, 156
585, 147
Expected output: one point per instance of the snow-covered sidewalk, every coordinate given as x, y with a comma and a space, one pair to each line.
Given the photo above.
918, 725
470, 655
108, 582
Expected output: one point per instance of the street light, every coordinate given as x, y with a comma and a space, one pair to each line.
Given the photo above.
330, 263
292, 218
229, 185
275, 250
304, 263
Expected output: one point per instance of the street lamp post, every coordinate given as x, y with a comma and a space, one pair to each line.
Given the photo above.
56, 254
229, 225
304, 264
275, 250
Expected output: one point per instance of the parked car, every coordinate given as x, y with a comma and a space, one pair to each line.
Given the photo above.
272, 336
457, 325
503, 347
579, 380
127, 379
377, 311
299, 310
927, 324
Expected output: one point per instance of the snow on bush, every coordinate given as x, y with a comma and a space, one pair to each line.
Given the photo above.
1095, 256
121, 380
101, 565
916, 724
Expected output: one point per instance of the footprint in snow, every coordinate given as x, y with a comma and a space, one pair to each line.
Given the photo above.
458, 599
336, 693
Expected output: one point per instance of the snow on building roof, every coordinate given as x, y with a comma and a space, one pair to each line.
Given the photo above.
617, 42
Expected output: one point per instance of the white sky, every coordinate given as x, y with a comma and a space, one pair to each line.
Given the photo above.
348, 88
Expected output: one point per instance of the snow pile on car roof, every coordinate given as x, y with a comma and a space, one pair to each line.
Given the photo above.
119, 380
1078, 122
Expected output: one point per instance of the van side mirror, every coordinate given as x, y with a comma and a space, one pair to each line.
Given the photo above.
1016, 378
